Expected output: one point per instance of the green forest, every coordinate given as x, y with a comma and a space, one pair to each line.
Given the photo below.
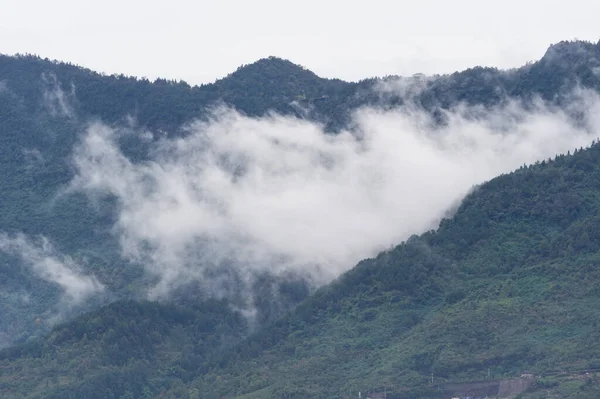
509, 283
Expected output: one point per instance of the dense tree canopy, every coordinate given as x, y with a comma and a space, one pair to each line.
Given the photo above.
509, 283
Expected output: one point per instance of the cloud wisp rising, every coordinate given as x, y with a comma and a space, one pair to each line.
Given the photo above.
52, 266
277, 194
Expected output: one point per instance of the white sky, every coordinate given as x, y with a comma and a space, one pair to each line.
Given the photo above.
199, 41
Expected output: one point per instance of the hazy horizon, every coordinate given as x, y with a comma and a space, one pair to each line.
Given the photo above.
201, 42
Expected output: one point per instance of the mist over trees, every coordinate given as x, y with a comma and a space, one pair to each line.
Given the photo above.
500, 285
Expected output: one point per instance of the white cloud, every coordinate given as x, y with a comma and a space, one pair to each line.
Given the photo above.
56, 100
277, 194
404, 87
51, 266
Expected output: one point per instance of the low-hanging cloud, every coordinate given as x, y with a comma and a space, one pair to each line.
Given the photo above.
55, 99
52, 266
277, 194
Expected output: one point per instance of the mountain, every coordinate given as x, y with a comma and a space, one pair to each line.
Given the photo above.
135, 346
506, 285
44, 108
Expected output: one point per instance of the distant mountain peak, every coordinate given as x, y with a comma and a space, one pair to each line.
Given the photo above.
572, 52
273, 67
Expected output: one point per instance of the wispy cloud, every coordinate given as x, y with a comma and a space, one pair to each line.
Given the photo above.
56, 100
240, 195
51, 266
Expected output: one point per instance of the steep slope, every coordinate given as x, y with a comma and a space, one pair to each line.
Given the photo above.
509, 284
44, 107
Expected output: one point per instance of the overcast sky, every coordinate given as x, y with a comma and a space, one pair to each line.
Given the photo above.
199, 41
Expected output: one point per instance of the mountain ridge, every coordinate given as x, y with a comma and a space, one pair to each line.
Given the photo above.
498, 288
529, 230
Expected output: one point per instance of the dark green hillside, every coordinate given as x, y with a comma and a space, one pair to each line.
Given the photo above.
564, 64
126, 348
510, 284
267, 85
44, 107
274, 84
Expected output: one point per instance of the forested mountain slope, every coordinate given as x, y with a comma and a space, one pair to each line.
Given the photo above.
507, 284
510, 284
127, 346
